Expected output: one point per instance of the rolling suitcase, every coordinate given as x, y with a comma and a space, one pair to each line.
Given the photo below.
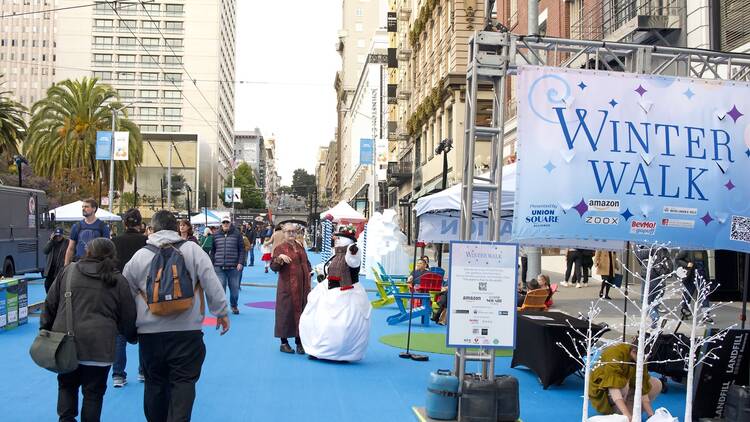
738, 404
442, 395
489, 401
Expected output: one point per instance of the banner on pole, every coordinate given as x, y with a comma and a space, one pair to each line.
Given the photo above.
365, 151
482, 295
122, 146
230, 196
381, 157
103, 145
644, 158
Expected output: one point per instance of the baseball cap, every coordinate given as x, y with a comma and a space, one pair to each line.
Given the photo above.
59, 232
226, 220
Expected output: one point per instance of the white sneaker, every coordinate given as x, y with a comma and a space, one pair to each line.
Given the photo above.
578, 285
564, 283
141, 377
119, 382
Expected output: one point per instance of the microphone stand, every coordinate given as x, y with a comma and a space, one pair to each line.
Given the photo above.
407, 354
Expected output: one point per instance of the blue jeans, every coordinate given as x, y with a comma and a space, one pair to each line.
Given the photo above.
251, 256
121, 358
232, 277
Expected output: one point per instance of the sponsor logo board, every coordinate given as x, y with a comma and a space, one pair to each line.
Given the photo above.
677, 223
643, 227
604, 221
680, 210
604, 205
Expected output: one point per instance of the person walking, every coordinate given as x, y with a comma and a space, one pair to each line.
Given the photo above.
84, 231
524, 265
102, 307
251, 235
291, 263
171, 346
186, 231
126, 246
228, 253
55, 250
607, 267
571, 257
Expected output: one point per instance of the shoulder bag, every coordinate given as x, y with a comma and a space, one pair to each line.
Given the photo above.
57, 351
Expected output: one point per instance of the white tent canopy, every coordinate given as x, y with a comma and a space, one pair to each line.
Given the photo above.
450, 199
72, 212
344, 211
209, 217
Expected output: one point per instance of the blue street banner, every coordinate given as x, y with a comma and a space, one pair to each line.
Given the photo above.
644, 158
366, 147
103, 145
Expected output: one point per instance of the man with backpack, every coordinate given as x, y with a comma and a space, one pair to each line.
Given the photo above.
168, 278
251, 235
84, 231
126, 246
229, 257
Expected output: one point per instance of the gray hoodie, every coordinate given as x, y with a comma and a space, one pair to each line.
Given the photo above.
202, 272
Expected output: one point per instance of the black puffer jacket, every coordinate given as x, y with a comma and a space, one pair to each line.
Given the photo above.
100, 312
228, 249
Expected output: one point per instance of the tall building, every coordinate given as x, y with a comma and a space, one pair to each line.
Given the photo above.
321, 173
248, 147
360, 21
172, 61
27, 48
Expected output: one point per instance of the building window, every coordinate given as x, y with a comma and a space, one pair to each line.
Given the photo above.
150, 7
149, 60
174, 42
358, 27
148, 128
104, 76
149, 93
173, 95
172, 112
174, 9
148, 111
147, 76
150, 24
126, 76
732, 28
126, 41
173, 59
126, 93
150, 42
102, 58
359, 12
97, 41
103, 23
126, 58
102, 7
173, 77
127, 23
171, 128
173, 25
418, 152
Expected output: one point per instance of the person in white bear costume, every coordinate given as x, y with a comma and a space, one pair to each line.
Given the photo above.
335, 324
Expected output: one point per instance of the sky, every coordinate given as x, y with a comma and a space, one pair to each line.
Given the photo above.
286, 50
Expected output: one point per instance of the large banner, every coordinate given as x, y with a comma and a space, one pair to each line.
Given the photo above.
608, 155
482, 295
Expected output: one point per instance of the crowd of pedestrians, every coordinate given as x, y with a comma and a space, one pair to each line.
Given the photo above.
148, 285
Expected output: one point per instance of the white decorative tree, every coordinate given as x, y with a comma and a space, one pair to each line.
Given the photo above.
700, 316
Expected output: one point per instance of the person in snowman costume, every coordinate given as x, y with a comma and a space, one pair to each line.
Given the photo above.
335, 324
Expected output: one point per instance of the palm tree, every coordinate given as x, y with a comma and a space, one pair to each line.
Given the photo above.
62, 132
12, 124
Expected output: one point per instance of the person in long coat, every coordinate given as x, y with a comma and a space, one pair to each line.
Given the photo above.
291, 263
607, 266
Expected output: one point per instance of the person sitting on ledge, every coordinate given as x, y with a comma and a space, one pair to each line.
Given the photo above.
543, 281
613, 381
532, 285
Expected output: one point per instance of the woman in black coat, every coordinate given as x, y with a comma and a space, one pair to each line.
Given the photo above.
102, 307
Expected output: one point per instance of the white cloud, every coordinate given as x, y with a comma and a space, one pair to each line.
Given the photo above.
286, 51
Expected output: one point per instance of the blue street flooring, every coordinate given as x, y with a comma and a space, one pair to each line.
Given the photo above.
246, 378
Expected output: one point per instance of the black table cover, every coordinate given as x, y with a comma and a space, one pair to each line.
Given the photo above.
537, 349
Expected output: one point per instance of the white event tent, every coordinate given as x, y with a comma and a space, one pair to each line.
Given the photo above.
72, 212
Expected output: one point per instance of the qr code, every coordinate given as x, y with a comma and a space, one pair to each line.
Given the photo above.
482, 286
740, 229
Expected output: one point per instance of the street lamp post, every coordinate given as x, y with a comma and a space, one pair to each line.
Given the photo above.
444, 147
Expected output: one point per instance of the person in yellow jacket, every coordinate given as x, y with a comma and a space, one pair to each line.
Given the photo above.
613, 381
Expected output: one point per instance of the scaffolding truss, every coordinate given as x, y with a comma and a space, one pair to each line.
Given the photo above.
495, 56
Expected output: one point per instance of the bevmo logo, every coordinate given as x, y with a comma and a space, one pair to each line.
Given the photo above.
643, 227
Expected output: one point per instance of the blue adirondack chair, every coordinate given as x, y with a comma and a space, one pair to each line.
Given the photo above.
423, 311
388, 277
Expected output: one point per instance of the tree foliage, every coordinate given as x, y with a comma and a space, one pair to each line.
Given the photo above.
252, 195
62, 131
302, 182
12, 124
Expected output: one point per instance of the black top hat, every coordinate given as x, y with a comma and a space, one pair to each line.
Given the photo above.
347, 231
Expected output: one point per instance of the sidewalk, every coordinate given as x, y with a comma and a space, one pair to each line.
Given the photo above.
571, 300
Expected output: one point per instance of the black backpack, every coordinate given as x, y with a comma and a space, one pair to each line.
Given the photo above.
169, 287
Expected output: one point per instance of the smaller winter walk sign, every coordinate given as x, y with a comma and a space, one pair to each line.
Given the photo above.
618, 156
